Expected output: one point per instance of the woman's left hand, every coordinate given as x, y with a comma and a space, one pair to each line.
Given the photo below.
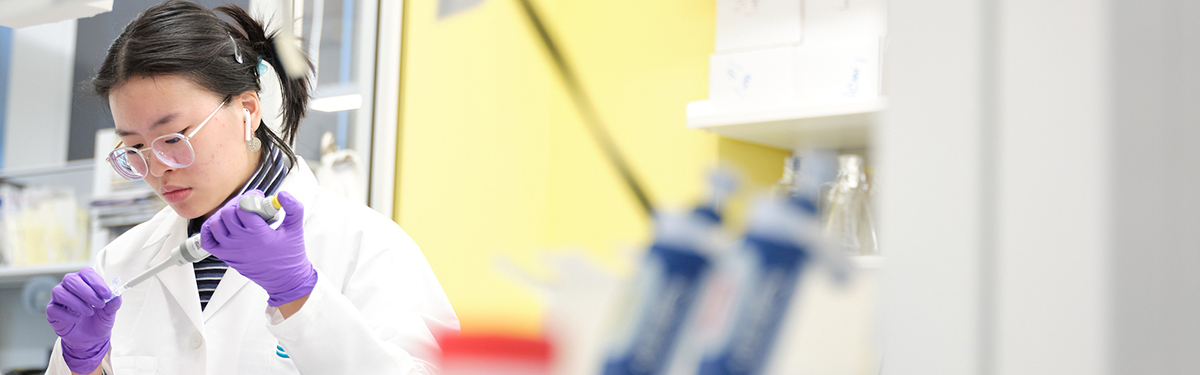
273, 258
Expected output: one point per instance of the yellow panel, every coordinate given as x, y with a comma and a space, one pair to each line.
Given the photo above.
494, 160
642, 61
761, 168
473, 151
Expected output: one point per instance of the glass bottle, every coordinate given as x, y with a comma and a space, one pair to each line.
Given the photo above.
849, 221
787, 183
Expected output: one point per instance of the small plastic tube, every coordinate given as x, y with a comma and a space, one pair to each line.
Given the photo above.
117, 288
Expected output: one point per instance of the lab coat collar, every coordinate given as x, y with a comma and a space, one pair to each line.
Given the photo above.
180, 282
172, 224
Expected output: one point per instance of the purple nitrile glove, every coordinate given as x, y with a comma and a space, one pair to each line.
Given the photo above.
79, 315
272, 258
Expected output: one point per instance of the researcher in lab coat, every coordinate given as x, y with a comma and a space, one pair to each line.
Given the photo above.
336, 288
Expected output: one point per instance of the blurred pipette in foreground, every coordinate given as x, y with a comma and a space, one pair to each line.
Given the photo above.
783, 241
673, 275
190, 251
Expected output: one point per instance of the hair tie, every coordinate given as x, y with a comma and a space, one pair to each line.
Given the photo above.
262, 68
236, 55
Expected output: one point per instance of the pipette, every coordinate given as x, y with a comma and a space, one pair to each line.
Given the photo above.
190, 251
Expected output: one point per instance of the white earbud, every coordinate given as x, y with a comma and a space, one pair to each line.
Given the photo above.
248, 135
252, 142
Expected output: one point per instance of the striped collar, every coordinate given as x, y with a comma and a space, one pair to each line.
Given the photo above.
267, 178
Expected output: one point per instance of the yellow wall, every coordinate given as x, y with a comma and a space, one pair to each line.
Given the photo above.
493, 159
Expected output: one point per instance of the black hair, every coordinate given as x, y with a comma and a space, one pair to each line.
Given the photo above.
183, 38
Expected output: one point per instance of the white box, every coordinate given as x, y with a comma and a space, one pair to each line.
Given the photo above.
764, 77
837, 72
840, 21
795, 75
754, 24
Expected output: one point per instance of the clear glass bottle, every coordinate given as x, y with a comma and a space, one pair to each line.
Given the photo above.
848, 217
787, 183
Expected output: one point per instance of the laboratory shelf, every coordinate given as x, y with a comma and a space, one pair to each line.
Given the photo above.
10, 276
840, 125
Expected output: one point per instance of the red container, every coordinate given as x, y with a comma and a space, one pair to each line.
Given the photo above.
494, 355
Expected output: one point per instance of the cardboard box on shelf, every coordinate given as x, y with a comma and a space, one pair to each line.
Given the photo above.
837, 73
755, 24
744, 25
796, 75
763, 77
842, 21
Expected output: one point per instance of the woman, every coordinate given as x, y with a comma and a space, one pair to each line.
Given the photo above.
344, 290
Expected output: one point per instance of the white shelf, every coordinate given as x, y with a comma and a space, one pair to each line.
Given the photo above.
17, 275
840, 125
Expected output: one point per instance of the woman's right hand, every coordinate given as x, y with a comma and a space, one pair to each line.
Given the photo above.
79, 315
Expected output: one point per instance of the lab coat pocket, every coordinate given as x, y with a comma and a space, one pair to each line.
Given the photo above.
134, 365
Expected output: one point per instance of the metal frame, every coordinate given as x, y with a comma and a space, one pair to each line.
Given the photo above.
386, 119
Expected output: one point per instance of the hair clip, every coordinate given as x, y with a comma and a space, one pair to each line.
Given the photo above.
262, 66
236, 55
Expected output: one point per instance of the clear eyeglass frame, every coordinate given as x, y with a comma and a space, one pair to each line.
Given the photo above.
174, 150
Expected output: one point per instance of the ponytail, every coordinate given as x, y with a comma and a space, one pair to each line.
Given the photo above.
295, 90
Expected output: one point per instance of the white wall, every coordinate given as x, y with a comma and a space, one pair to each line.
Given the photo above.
1052, 197
929, 164
37, 122
1155, 163
1038, 169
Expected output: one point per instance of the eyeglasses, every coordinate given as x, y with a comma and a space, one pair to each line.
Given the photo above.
173, 149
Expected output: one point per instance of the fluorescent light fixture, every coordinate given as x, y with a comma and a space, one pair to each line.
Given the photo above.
337, 103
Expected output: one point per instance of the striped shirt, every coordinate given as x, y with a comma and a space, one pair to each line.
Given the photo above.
271, 171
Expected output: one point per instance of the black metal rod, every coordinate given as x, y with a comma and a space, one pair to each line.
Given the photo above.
591, 117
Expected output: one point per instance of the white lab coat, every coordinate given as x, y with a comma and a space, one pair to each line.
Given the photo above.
375, 309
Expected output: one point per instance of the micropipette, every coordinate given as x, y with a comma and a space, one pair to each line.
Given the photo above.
190, 251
